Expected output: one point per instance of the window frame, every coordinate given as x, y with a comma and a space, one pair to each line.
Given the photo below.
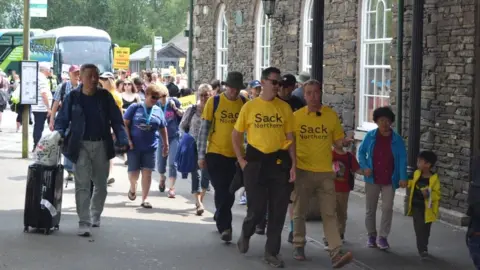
307, 26
221, 67
262, 50
365, 41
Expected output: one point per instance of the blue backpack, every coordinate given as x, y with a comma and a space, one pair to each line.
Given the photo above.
186, 156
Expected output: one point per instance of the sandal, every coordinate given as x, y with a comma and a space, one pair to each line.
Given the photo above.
171, 193
146, 205
132, 195
200, 209
161, 186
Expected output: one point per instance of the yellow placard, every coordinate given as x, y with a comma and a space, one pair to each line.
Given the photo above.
188, 101
181, 62
121, 58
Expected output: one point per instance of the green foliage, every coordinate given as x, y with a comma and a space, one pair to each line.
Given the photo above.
130, 23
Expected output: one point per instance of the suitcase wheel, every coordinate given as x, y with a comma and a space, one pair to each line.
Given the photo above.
56, 228
46, 232
25, 229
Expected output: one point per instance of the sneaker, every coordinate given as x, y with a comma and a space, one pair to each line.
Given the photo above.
243, 200
371, 243
84, 230
382, 243
227, 235
424, 254
325, 243
260, 230
243, 244
95, 222
274, 261
341, 258
110, 181
299, 253
290, 237
171, 194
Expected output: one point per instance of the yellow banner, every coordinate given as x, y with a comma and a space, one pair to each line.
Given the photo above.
121, 58
181, 62
188, 101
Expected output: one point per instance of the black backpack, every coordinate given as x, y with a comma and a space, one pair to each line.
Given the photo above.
473, 198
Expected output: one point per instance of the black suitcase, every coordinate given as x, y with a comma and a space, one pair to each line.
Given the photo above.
44, 184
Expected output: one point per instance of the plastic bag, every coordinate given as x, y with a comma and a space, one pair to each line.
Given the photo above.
48, 149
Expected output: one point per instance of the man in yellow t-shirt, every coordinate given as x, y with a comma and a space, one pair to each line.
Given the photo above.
269, 164
317, 128
215, 139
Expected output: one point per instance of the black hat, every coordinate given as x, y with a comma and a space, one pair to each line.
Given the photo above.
234, 80
288, 80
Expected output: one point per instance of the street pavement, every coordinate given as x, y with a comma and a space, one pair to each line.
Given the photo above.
171, 236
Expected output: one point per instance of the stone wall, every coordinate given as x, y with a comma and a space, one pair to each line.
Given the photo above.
447, 91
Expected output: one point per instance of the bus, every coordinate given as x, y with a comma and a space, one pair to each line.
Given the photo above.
73, 45
11, 47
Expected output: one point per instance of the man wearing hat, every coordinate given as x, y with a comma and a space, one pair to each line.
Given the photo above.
215, 148
301, 79
42, 109
254, 88
62, 90
287, 86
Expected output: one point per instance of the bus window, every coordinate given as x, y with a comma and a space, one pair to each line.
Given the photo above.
80, 51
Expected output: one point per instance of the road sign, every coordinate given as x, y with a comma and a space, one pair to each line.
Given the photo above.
121, 58
38, 8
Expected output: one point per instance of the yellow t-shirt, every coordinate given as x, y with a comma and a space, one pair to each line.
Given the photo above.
314, 138
220, 137
118, 99
266, 124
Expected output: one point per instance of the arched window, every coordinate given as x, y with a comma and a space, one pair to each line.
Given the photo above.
375, 72
222, 45
263, 31
307, 37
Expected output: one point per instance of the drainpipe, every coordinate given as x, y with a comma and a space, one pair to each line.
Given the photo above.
190, 47
401, 10
317, 40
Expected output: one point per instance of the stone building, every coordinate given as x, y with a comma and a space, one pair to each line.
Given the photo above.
359, 66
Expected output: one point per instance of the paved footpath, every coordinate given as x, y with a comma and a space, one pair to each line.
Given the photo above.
171, 236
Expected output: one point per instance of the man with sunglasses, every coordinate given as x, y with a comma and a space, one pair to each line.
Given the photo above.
317, 127
269, 163
218, 118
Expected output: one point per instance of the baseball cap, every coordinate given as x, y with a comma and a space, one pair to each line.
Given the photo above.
74, 68
288, 80
255, 84
107, 75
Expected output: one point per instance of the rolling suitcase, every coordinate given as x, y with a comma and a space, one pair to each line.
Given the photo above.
43, 198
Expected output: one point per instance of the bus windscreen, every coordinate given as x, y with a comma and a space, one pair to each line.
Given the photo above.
81, 50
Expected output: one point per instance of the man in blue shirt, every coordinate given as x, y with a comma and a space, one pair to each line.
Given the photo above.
85, 120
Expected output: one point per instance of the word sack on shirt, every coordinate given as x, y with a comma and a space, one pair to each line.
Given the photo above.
228, 117
313, 133
268, 121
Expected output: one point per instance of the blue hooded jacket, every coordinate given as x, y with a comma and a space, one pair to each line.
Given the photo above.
186, 157
365, 157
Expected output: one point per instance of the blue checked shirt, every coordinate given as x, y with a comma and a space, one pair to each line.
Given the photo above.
68, 88
203, 138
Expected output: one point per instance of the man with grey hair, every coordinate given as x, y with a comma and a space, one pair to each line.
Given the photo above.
85, 120
42, 109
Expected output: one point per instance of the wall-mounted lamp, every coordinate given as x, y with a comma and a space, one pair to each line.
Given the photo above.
269, 10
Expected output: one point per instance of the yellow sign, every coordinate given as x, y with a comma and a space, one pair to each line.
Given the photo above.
188, 101
181, 62
173, 71
121, 58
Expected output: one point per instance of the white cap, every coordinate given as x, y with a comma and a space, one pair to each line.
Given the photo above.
45, 65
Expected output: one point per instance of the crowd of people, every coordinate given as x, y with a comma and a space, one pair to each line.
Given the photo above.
272, 136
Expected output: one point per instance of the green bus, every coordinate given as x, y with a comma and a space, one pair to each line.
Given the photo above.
11, 47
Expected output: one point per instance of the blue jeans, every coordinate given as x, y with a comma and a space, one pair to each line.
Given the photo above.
68, 165
473, 244
162, 161
200, 181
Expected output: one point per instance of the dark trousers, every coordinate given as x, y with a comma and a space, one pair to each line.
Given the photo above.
422, 229
222, 170
473, 244
266, 185
38, 126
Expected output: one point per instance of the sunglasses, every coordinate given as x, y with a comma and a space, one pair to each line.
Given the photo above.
127, 84
205, 95
159, 97
274, 82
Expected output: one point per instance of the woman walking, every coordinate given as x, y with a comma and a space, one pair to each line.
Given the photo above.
144, 123
383, 159
129, 94
190, 123
173, 113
